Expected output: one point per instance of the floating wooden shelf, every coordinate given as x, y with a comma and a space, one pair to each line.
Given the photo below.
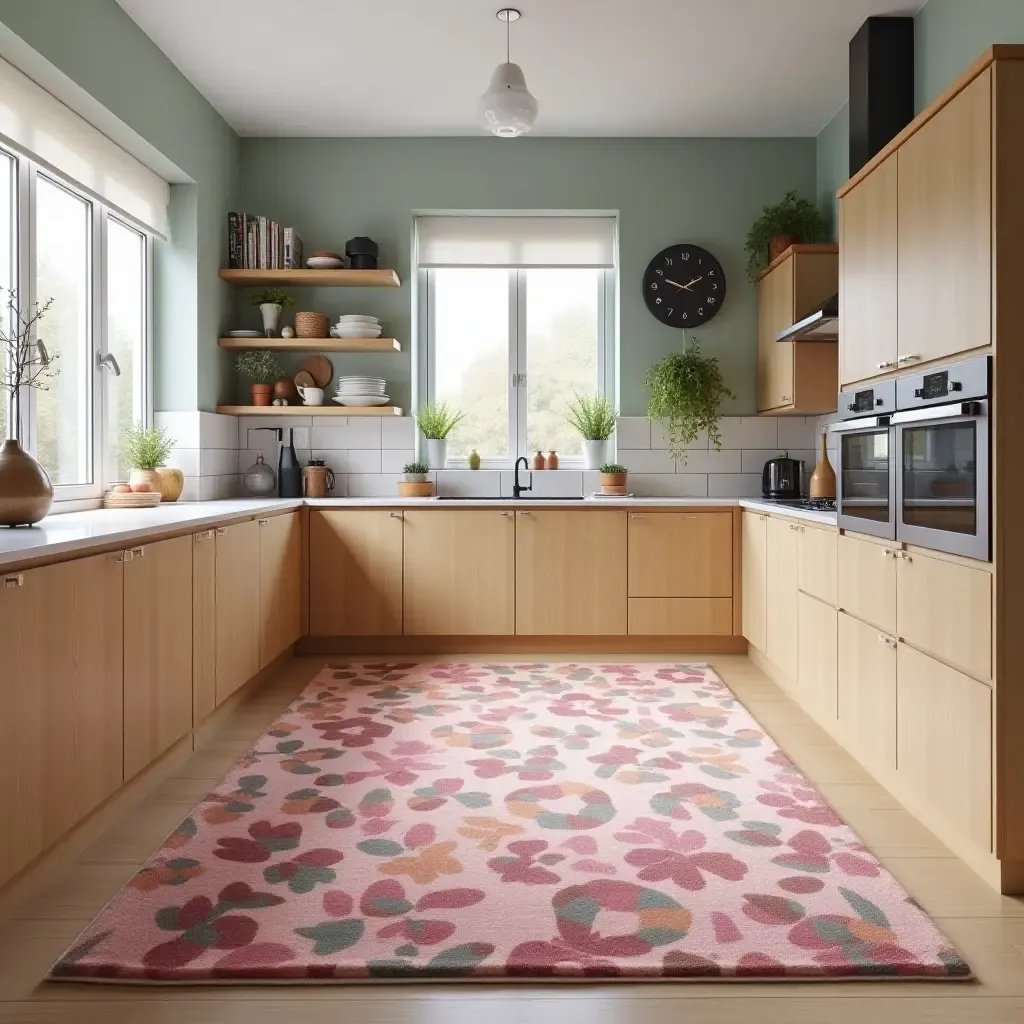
309, 410
313, 278
314, 344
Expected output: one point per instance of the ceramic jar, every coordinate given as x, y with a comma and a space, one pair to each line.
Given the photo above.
26, 493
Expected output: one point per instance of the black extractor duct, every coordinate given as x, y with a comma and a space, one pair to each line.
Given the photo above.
881, 85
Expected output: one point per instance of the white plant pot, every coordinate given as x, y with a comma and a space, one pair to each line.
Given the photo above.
271, 312
437, 452
594, 454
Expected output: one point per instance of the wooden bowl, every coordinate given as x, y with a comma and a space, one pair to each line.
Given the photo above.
412, 489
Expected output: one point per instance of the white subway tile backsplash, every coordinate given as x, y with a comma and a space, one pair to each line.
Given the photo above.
754, 460
393, 460
734, 485
190, 489
225, 486
218, 461
373, 485
481, 483
710, 461
353, 432
247, 458
358, 460
185, 459
252, 435
659, 438
633, 432
207, 488
181, 427
668, 485
749, 432
546, 483
649, 460
398, 432
217, 430
796, 432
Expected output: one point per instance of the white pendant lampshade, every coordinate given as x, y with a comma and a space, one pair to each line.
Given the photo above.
508, 108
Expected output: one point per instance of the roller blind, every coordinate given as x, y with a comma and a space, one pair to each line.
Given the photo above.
515, 241
45, 128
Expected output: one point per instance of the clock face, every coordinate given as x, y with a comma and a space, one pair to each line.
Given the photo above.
684, 286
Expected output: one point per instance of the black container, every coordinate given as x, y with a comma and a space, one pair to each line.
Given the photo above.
362, 253
781, 478
289, 471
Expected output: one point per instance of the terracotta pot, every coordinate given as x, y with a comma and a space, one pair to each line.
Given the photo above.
780, 243
613, 483
149, 477
26, 493
262, 393
171, 483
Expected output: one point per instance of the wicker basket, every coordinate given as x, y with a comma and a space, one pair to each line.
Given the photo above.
133, 499
310, 325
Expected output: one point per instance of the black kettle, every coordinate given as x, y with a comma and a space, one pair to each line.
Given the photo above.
781, 477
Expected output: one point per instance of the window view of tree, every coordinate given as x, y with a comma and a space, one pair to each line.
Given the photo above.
8, 176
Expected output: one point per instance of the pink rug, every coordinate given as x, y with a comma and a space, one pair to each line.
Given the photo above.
488, 821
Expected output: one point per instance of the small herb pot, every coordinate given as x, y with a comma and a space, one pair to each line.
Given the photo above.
613, 483
262, 394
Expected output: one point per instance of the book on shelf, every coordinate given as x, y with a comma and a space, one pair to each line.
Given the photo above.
292, 255
259, 243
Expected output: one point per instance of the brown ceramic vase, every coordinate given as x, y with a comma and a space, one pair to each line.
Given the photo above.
26, 493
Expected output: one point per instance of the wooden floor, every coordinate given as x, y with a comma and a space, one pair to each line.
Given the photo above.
988, 928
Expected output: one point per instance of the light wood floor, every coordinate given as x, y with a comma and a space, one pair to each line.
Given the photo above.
988, 928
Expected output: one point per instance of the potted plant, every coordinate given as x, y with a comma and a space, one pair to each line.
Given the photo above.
146, 450
613, 478
593, 416
436, 422
687, 390
262, 369
415, 483
271, 301
781, 225
415, 472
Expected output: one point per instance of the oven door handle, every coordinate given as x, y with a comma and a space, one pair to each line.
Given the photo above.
867, 423
955, 410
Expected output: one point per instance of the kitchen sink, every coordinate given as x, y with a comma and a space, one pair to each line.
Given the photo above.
477, 497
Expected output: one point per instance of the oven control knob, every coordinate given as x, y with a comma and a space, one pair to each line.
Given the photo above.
955, 385
852, 407
879, 401
919, 392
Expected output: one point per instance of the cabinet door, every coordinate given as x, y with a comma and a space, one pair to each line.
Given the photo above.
280, 584
204, 625
755, 579
817, 570
867, 276
818, 658
61, 683
774, 361
945, 229
782, 614
570, 573
238, 606
945, 743
680, 554
680, 616
157, 650
460, 573
867, 692
867, 581
355, 573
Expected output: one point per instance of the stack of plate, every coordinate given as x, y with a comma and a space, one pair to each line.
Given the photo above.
355, 326
361, 391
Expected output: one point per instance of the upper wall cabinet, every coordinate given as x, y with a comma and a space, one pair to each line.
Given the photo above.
796, 376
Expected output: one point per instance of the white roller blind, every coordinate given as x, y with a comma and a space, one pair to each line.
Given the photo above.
515, 241
44, 127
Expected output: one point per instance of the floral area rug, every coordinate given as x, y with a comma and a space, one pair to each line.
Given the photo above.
504, 820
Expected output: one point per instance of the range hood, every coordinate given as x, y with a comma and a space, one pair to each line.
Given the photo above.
821, 325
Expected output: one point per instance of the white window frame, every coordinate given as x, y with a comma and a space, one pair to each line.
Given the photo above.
28, 172
518, 383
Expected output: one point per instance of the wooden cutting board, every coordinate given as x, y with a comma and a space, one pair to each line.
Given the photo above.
320, 369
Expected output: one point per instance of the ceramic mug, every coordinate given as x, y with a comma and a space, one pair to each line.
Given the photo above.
311, 396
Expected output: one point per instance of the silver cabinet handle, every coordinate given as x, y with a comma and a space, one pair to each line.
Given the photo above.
887, 640
505, 513
10, 582
888, 365
221, 530
121, 556
138, 552
263, 522
888, 552
636, 515
793, 526
904, 556
786, 398
397, 515
205, 535
524, 512
907, 359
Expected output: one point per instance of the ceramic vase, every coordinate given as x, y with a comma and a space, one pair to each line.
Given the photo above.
26, 493
594, 454
271, 312
172, 482
437, 452
145, 480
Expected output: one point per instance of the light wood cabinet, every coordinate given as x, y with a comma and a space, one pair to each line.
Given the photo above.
945, 229
157, 650
944, 730
796, 377
818, 558
570, 573
61, 683
680, 616
868, 276
460, 572
204, 625
237, 615
754, 559
867, 581
867, 692
782, 612
945, 609
280, 584
818, 659
680, 554
355, 573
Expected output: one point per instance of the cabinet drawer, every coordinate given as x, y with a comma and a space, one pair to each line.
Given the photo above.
867, 692
680, 616
680, 554
817, 563
867, 581
945, 608
944, 729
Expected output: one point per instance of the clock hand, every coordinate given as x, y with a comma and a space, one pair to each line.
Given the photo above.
693, 282
676, 284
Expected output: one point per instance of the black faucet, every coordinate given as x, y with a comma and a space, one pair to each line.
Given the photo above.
517, 487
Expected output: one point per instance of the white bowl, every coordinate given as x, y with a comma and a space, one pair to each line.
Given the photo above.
357, 318
363, 401
324, 263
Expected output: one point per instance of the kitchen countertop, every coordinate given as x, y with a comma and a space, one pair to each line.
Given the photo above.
77, 533
775, 509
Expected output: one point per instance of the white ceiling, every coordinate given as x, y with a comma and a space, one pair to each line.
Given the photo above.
597, 67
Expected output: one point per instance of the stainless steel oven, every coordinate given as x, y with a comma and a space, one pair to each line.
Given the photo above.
941, 442
866, 476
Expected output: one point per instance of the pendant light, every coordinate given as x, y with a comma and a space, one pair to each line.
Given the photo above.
507, 108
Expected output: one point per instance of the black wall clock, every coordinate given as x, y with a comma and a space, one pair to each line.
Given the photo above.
684, 286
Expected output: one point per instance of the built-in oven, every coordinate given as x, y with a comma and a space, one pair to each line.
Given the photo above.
941, 441
866, 476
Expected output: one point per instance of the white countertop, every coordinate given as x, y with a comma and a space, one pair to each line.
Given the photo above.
775, 509
76, 533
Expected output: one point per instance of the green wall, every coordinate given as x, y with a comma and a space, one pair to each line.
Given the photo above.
832, 155
706, 191
104, 52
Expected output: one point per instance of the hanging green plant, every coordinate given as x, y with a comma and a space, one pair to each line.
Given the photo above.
794, 218
687, 390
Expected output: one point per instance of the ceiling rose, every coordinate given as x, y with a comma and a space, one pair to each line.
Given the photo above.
508, 109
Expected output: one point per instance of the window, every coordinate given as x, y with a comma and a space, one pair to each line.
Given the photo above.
8, 223
509, 344
94, 266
